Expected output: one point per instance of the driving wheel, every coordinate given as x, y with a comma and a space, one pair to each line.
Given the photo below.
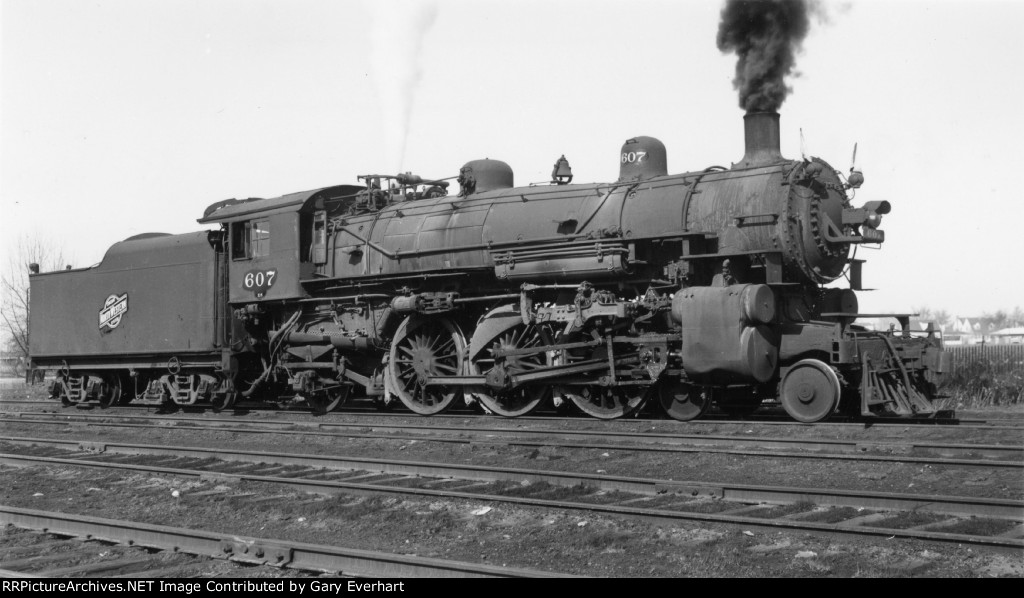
517, 401
423, 348
606, 402
682, 401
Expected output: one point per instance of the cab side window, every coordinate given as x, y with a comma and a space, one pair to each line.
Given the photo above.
320, 238
260, 238
250, 239
239, 240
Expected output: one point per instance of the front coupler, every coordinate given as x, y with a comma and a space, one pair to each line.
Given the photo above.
899, 374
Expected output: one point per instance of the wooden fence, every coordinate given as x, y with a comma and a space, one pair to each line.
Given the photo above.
996, 359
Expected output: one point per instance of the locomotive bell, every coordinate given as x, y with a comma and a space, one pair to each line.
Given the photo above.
642, 158
856, 178
562, 174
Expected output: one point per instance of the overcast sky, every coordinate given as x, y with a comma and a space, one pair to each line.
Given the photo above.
131, 116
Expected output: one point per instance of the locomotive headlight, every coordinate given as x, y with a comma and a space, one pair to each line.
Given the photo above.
869, 218
873, 219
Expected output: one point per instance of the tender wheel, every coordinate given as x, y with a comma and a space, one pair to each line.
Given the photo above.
325, 401
809, 391
69, 390
738, 402
606, 402
682, 401
222, 400
519, 401
109, 391
66, 400
423, 348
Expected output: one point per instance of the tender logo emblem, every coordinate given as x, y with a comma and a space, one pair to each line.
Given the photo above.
113, 310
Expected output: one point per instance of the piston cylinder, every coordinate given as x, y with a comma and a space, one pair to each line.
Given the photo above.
725, 336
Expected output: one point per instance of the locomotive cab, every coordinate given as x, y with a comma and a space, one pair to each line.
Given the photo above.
273, 244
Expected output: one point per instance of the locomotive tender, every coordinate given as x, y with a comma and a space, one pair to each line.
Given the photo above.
689, 288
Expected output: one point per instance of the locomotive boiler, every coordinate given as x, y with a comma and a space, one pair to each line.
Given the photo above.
687, 289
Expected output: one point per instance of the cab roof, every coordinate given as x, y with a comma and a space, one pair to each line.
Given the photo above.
234, 210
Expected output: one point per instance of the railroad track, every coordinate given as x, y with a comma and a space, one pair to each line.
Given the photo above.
981, 521
760, 419
919, 452
27, 553
137, 542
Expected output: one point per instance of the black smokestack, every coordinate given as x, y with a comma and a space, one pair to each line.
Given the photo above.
761, 134
765, 35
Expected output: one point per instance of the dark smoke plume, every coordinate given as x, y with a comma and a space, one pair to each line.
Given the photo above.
765, 35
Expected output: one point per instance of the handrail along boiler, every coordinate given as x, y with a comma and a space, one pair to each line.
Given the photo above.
689, 288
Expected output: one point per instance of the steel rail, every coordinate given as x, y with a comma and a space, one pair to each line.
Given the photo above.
711, 419
74, 557
277, 553
652, 514
953, 505
269, 428
849, 450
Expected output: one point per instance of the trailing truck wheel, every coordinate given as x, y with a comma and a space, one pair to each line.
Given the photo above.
809, 391
423, 348
682, 401
518, 401
326, 401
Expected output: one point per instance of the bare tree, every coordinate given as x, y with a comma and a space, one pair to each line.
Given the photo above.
1017, 317
14, 291
997, 320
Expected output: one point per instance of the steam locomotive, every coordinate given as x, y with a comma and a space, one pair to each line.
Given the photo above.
687, 289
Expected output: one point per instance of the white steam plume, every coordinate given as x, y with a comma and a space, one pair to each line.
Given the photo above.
398, 29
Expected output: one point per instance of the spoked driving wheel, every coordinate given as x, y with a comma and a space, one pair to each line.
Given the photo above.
606, 402
602, 401
809, 391
517, 401
682, 401
424, 348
